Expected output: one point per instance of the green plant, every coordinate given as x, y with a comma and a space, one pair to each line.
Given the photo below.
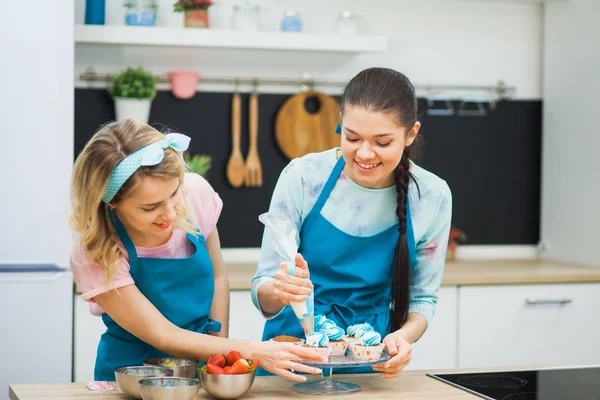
185, 5
134, 83
199, 164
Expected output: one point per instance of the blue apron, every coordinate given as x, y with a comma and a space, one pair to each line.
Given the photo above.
180, 288
351, 274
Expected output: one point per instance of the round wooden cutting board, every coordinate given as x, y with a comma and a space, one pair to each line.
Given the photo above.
299, 132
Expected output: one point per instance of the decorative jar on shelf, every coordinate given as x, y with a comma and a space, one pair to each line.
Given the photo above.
195, 11
246, 17
140, 12
291, 22
346, 23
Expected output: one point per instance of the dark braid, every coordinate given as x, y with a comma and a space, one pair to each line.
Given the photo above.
389, 91
400, 283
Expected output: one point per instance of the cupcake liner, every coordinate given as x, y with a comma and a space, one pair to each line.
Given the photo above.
366, 353
348, 339
326, 351
338, 347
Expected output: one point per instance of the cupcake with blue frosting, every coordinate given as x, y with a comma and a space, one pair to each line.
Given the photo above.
353, 331
367, 346
336, 337
319, 321
318, 341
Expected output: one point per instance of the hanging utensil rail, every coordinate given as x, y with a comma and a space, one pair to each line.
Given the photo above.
498, 92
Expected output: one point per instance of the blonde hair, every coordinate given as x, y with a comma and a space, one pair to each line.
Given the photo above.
89, 216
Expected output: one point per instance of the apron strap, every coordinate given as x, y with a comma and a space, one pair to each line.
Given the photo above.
327, 188
124, 236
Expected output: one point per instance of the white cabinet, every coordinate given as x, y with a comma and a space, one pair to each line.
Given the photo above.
88, 329
245, 321
532, 324
35, 332
436, 349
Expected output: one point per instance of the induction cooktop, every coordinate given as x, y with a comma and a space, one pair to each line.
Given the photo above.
577, 383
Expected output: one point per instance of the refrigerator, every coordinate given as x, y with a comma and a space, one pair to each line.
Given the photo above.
36, 325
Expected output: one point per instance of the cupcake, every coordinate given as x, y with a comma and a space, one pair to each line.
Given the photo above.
318, 341
336, 339
287, 339
367, 347
320, 321
354, 331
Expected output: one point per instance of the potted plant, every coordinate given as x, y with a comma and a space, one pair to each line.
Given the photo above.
456, 236
133, 91
196, 12
199, 164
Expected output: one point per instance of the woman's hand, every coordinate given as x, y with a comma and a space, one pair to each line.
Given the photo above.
285, 358
402, 354
296, 288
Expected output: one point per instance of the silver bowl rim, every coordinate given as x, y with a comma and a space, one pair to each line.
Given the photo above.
154, 361
165, 370
226, 375
146, 381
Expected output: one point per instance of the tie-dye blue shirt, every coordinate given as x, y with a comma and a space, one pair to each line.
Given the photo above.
359, 211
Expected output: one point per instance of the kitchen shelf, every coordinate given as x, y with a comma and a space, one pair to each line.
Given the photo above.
225, 39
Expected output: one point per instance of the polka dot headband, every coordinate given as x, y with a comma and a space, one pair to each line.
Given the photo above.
151, 154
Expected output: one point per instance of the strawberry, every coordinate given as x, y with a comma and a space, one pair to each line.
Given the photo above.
226, 369
214, 369
217, 359
241, 366
233, 356
253, 364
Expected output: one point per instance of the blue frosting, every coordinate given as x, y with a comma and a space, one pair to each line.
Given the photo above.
317, 339
319, 320
370, 338
352, 329
333, 332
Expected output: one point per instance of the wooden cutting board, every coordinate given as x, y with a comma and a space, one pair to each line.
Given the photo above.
299, 132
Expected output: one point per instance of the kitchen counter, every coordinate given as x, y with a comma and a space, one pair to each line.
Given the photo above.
408, 386
463, 273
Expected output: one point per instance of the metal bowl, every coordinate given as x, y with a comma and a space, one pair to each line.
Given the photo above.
227, 387
182, 369
128, 378
169, 388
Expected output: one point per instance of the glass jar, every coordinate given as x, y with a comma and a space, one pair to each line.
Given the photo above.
346, 23
291, 22
140, 12
246, 17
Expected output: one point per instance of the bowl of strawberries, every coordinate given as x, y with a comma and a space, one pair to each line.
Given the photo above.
227, 376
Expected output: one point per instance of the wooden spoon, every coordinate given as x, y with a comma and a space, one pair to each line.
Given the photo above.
235, 165
253, 175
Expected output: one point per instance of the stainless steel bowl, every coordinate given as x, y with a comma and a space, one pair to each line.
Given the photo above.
169, 388
128, 378
227, 386
182, 369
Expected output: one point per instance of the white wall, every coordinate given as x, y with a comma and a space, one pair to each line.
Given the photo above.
570, 184
455, 42
36, 124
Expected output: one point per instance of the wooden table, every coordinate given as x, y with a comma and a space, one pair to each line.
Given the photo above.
410, 385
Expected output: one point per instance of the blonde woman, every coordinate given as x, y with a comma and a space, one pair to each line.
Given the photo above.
147, 255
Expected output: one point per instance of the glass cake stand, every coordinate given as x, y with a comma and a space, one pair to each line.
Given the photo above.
327, 386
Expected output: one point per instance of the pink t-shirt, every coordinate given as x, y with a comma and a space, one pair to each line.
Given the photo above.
204, 208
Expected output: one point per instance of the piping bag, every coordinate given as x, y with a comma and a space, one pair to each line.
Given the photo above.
285, 246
